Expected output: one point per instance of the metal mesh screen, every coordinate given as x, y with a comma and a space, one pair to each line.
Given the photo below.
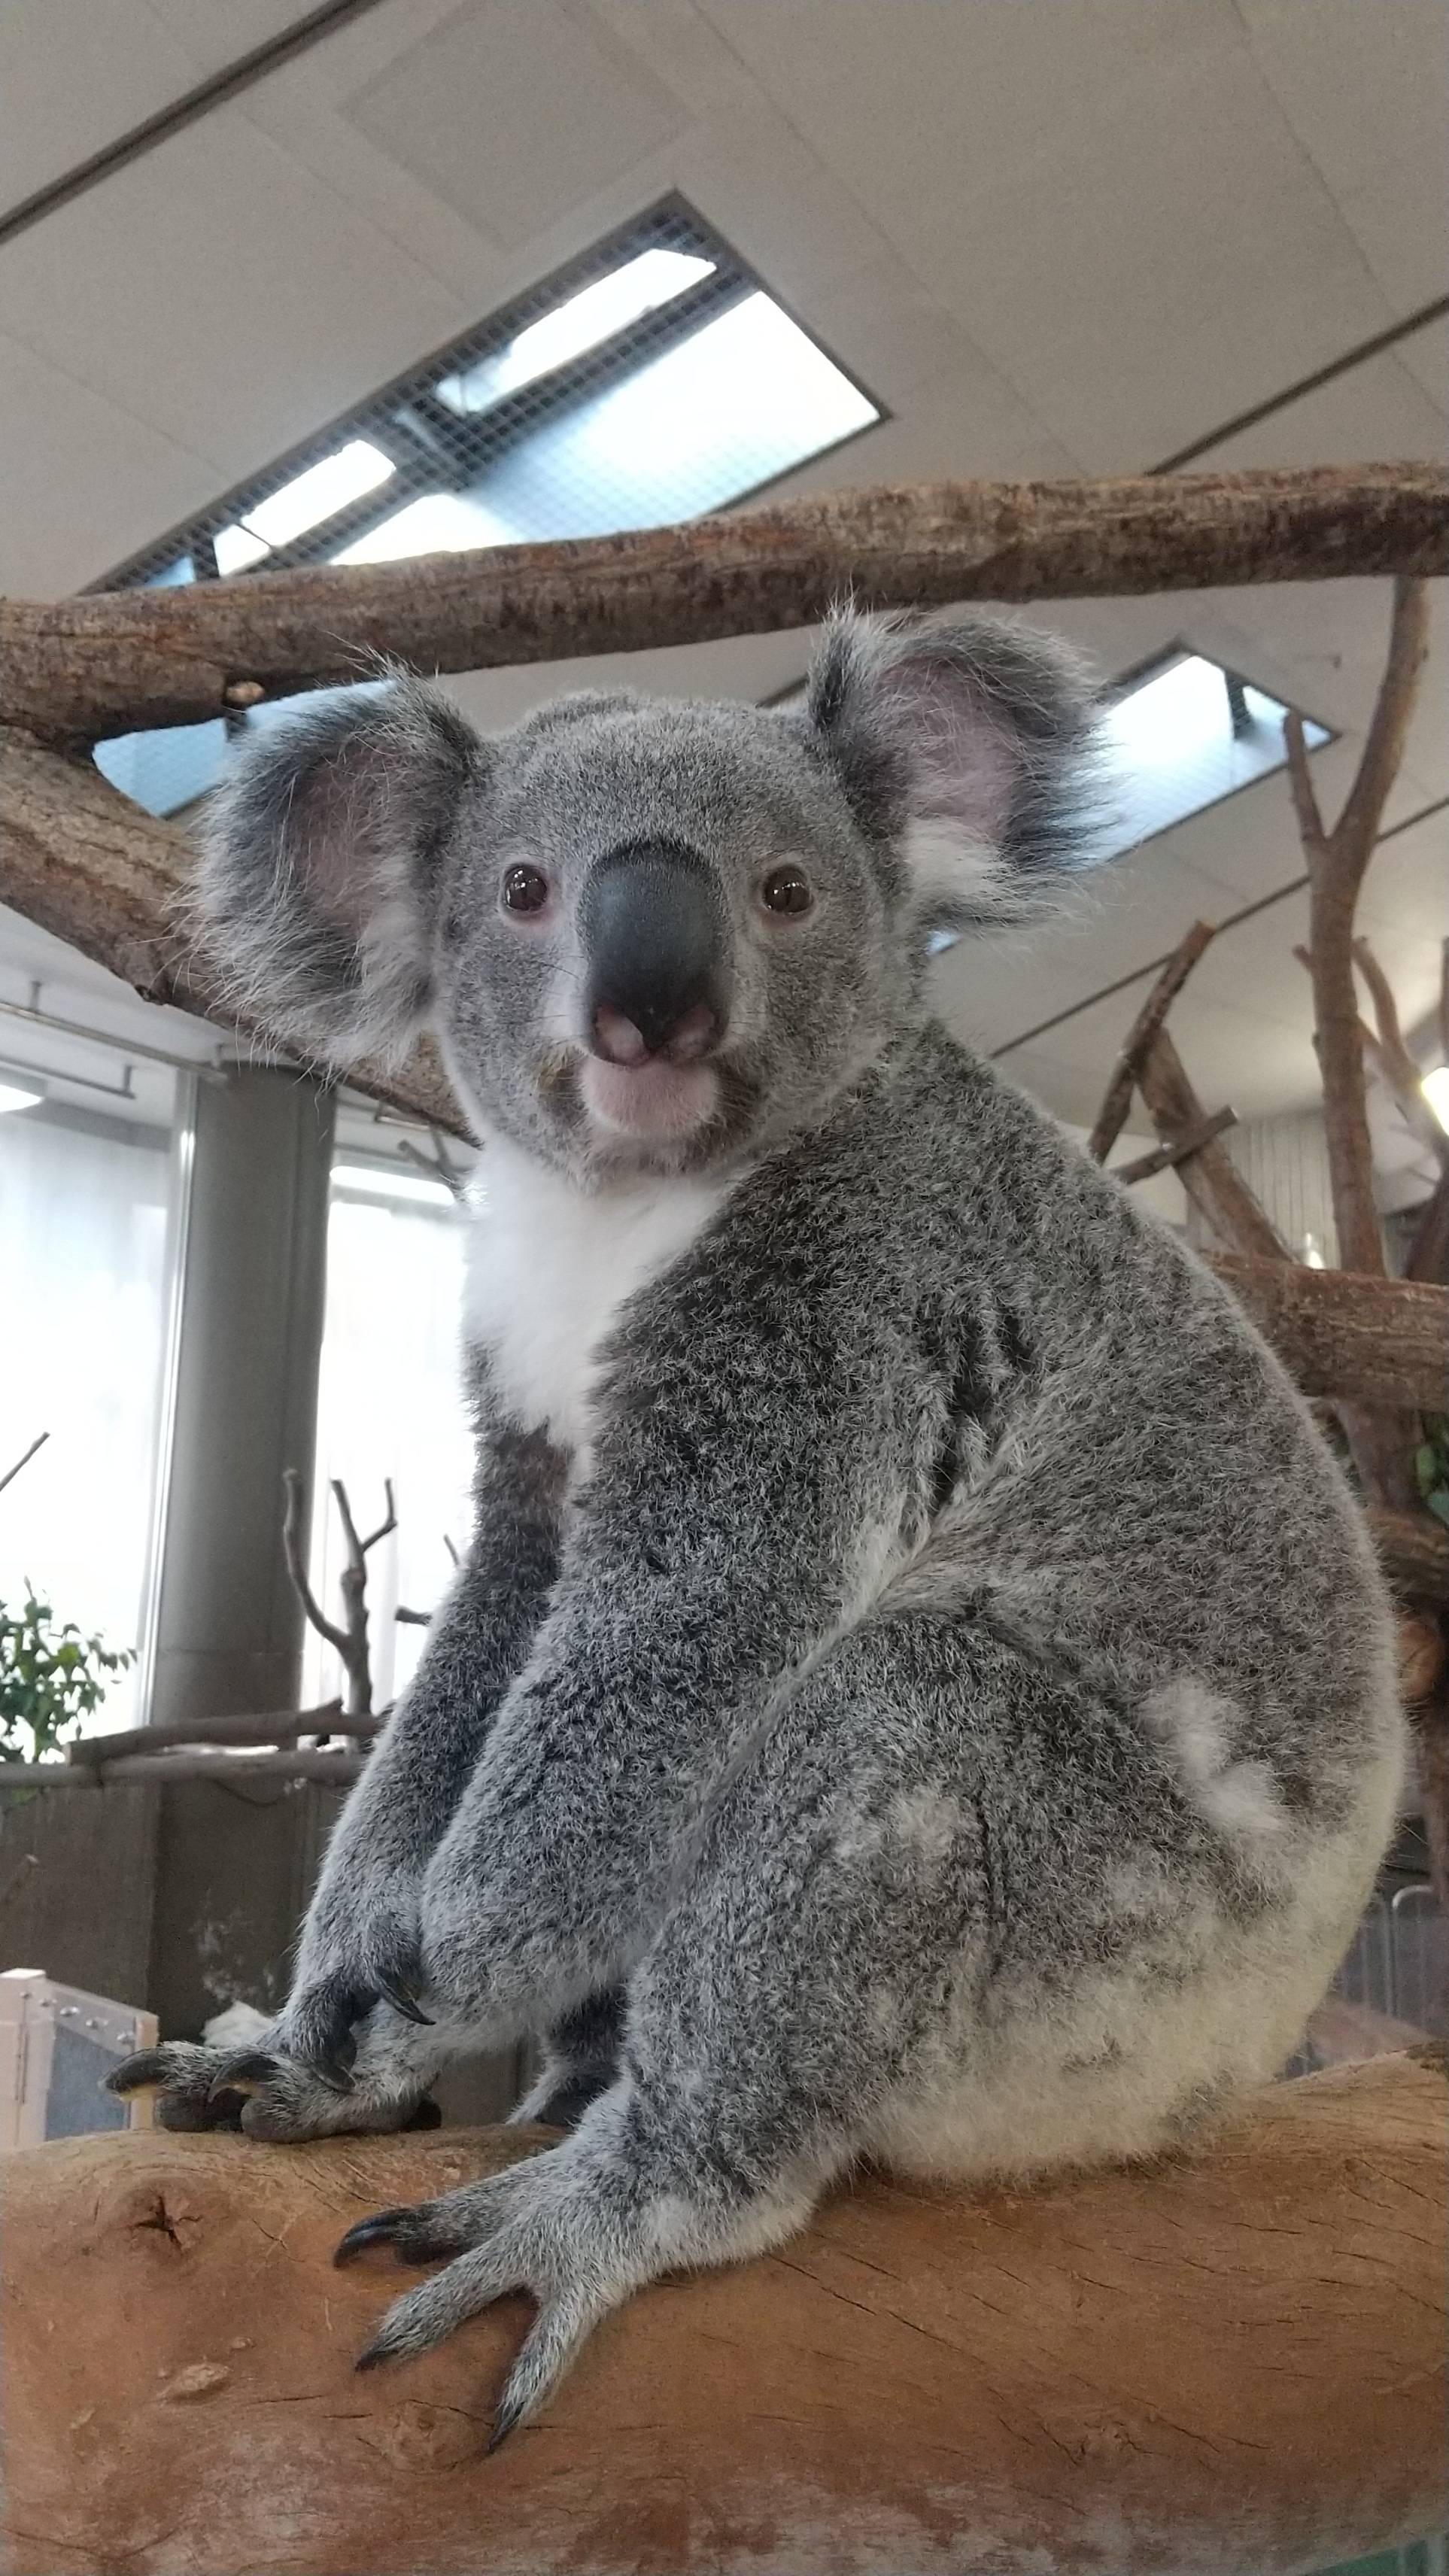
537, 440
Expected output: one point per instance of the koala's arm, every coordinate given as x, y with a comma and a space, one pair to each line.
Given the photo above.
742, 1492
360, 1938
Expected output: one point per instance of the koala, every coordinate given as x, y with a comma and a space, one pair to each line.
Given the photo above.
919, 1690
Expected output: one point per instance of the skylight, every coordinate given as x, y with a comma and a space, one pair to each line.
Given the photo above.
594, 314
302, 503
657, 380
1181, 737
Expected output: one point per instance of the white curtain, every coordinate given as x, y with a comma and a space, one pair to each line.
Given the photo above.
390, 1404
83, 1311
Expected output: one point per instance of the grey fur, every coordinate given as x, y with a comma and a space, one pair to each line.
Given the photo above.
948, 1692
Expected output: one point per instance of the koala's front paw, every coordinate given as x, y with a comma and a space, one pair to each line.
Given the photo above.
263, 2092
371, 1956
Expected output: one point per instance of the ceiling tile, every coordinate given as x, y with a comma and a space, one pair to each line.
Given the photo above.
516, 110
218, 32
73, 77
1366, 91
84, 481
217, 290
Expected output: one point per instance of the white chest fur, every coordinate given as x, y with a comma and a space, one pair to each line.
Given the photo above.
550, 1267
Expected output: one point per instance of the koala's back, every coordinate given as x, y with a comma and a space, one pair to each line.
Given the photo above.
1130, 1481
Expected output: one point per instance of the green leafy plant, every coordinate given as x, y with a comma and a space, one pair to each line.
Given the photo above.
50, 1678
1431, 1466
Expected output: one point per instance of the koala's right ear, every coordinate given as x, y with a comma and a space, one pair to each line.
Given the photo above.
319, 886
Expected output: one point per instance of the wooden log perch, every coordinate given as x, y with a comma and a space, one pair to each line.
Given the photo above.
1232, 2360
103, 663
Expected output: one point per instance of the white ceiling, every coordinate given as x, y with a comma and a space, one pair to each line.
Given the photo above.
1053, 236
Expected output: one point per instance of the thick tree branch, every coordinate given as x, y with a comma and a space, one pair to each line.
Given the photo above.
102, 664
1117, 1099
1363, 1340
1357, 828
1163, 1157
1209, 1175
1336, 866
1429, 1252
107, 878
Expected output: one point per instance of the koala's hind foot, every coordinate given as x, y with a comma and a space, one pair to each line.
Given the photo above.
265, 2092
578, 2227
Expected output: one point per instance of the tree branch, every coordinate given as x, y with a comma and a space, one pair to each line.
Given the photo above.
91, 867
107, 663
292, 1549
1117, 1099
1163, 1157
1300, 782
1345, 1338
12, 1472
1357, 827
1209, 1176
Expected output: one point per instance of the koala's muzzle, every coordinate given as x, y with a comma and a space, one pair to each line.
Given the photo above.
655, 934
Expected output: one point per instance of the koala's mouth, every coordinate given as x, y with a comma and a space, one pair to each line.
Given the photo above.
652, 1100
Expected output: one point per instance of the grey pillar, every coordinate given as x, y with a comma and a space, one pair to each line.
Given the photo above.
234, 1864
229, 1626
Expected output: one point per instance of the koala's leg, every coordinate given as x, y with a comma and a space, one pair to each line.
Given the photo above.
267, 2093
840, 1891
581, 2060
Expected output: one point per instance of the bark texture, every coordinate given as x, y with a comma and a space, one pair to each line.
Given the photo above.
1380, 1340
1230, 2360
103, 663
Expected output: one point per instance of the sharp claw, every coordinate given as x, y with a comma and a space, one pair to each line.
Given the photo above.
403, 2002
507, 2416
333, 2073
146, 2088
139, 2074
369, 2231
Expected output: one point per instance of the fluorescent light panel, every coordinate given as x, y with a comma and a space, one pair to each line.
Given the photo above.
1435, 1088
18, 1095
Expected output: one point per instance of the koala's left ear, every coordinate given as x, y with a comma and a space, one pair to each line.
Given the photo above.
320, 884
966, 749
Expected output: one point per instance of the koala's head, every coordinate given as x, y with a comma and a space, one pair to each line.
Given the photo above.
647, 933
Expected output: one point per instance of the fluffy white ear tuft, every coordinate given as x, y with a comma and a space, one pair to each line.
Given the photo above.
318, 890
968, 749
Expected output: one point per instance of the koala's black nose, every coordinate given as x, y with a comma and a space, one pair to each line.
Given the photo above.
654, 930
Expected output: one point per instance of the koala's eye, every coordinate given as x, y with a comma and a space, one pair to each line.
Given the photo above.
787, 890
524, 890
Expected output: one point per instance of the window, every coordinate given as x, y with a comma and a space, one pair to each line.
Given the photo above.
87, 1213
388, 1408
1180, 736
656, 380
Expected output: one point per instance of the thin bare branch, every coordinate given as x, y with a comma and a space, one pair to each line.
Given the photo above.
12, 1472
292, 1549
1305, 794
1117, 1099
